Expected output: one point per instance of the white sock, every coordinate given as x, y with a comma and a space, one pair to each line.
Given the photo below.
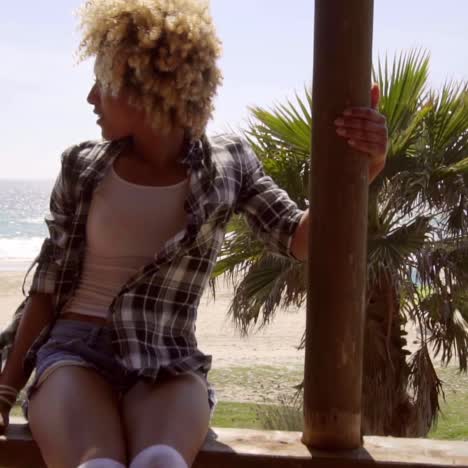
101, 463
159, 456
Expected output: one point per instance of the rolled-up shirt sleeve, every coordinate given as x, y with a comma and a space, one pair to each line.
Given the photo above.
53, 248
268, 209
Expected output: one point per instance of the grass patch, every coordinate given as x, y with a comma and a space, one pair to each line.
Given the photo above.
236, 415
453, 422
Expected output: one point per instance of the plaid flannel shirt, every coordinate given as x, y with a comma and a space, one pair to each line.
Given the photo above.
153, 317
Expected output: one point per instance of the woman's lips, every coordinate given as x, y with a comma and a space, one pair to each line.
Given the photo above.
99, 120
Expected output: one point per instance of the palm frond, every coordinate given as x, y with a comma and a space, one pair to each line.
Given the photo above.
446, 124
284, 124
270, 283
403, 89
425, 388
389, 252
449, 328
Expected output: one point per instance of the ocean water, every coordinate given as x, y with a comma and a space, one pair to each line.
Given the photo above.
23, 205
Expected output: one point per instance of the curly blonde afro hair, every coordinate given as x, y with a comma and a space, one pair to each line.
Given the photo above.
162, 52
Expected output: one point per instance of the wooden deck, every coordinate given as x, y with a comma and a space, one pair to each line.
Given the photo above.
246, 448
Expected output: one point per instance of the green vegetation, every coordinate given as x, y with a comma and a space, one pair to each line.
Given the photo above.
453, 423
238, 415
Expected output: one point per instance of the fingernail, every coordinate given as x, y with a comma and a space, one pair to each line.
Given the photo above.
351, 142
341, 131
339, 121
347, 112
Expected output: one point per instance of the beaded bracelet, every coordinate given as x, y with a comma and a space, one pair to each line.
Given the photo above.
4, 420
8, 394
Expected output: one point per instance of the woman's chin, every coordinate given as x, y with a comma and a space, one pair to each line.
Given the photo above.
106, 134
112, 136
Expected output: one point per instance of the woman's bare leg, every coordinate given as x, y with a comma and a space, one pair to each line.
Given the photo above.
174, 412
74, 416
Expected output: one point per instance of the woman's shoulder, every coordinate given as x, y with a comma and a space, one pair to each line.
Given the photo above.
84, 152
226, 141
80, 158
230, 147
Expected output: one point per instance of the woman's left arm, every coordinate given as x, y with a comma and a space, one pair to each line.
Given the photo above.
365, 129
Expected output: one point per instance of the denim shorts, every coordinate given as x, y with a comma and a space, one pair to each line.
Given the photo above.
75, 342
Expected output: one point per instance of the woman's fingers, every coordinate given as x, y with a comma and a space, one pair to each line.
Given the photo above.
365, 129
365, 113
375, 96
376, 151
363, 126
357, 135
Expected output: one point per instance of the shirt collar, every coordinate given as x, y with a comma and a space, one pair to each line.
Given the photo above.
193, 155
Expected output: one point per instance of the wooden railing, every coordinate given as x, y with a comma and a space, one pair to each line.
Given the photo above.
247, 448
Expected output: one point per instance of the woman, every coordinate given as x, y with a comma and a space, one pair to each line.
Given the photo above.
136, 222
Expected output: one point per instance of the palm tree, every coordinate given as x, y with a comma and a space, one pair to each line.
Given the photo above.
417, 241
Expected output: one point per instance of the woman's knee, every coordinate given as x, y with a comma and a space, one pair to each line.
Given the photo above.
181, 406
77, 406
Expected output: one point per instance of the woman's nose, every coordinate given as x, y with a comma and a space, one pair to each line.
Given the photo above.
93, 96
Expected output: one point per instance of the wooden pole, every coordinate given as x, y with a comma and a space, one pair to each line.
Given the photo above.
338, 229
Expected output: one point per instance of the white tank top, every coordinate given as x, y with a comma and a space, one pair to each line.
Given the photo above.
127, 225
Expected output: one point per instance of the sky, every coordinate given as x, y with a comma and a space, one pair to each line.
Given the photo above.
267, 57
